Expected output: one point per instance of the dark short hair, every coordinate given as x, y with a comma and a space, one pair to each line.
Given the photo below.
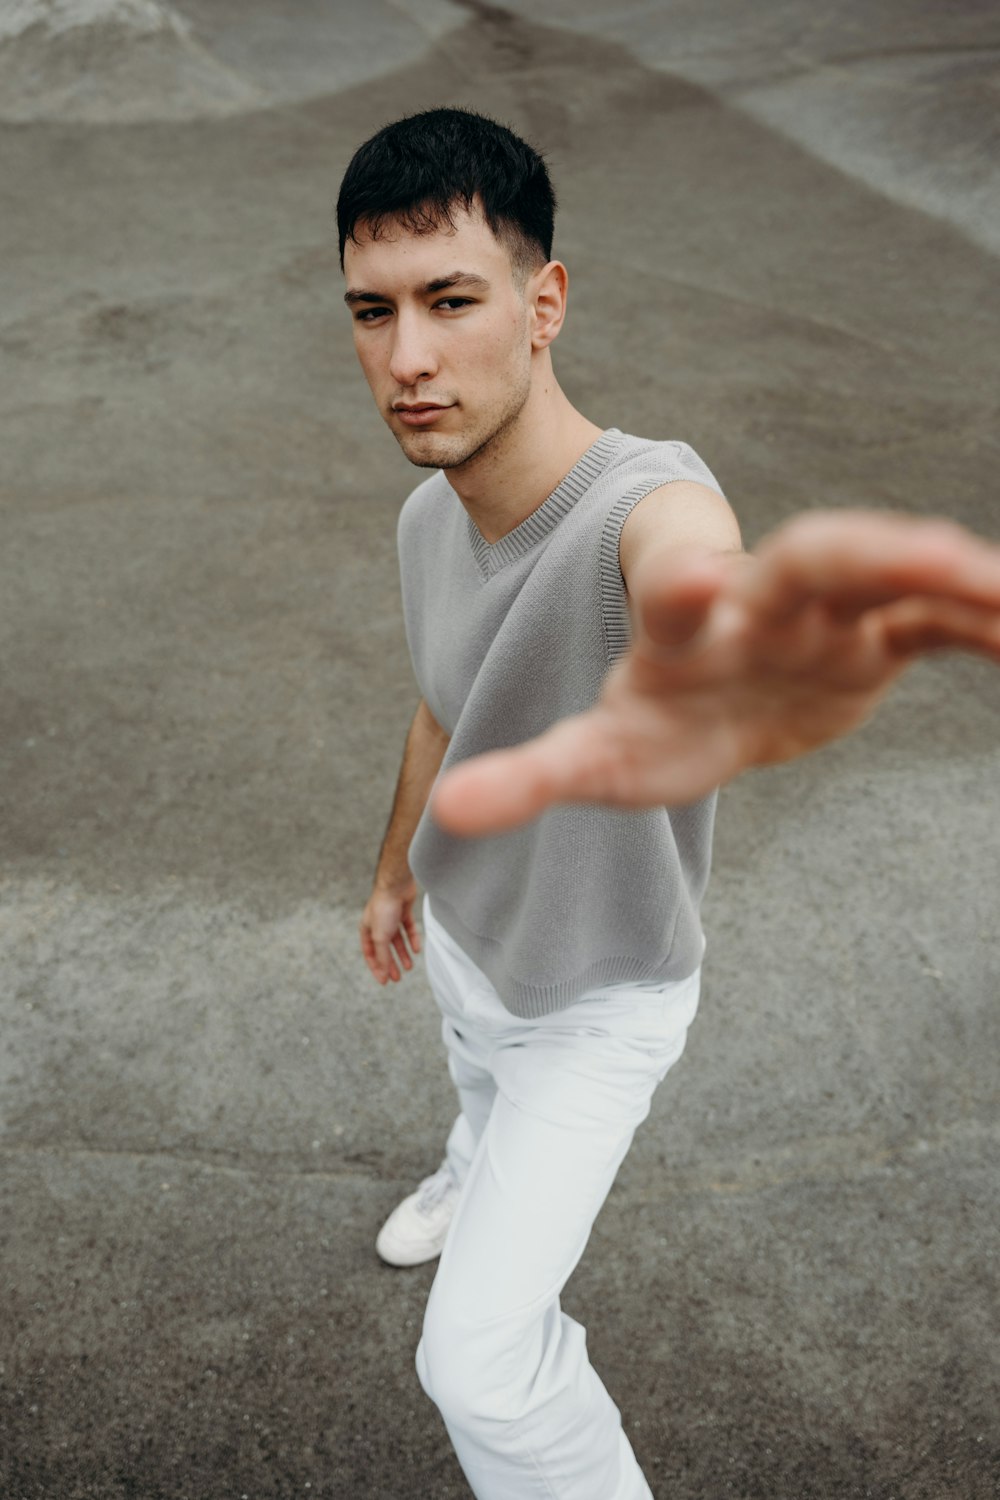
415, 171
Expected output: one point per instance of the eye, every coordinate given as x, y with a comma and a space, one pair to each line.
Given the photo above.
369, 314
452, 303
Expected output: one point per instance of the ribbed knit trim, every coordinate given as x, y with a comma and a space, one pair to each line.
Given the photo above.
492, 556
614, 606
532, 1001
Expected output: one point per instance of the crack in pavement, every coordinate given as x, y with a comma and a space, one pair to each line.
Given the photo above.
850, 1156
14, 1149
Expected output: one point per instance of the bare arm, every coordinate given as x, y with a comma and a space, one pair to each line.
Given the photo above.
387, 921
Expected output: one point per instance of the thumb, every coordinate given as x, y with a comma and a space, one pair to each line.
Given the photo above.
502, 789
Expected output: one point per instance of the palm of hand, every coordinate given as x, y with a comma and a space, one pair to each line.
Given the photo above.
673, 723
740, 662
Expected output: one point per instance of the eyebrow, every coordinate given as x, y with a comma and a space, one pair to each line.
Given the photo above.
439, 284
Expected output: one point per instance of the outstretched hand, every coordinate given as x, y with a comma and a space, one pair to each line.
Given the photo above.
745, 660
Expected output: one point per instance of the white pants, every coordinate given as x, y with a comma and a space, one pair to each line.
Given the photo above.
548, 1111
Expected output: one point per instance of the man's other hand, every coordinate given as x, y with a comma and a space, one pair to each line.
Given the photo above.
387, 924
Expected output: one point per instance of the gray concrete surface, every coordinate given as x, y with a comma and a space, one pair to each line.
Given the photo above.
781, 225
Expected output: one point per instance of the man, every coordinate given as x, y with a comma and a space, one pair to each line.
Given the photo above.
596, 656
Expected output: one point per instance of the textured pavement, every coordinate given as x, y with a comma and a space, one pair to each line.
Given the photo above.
782, 230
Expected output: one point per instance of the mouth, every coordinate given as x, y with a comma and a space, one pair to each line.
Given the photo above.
420, 414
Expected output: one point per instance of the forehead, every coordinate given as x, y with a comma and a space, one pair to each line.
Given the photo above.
406, 257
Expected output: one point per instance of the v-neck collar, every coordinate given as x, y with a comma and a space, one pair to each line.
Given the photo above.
492, 556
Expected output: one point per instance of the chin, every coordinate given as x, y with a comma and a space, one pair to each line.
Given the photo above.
433, 450
421, 452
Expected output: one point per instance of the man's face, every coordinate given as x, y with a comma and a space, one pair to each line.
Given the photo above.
443, 335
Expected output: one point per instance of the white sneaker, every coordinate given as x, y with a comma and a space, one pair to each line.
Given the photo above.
415, 1230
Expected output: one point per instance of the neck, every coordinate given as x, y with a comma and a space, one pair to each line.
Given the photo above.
503, 484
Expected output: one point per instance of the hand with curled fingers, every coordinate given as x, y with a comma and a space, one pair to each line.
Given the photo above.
741, 660
388, 929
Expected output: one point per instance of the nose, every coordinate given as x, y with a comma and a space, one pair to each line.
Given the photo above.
413, 358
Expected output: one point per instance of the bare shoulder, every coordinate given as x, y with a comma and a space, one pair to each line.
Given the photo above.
682, 513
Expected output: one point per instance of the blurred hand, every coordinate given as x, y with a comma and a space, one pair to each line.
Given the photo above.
387, 924
745, 660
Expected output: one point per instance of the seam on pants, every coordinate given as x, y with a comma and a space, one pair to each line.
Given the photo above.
542, 1475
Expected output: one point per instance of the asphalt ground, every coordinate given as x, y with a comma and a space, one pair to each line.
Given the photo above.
782, 229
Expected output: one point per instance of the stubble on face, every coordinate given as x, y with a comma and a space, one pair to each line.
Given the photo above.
485, 437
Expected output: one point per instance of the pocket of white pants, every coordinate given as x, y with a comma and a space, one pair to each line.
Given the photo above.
649, 1017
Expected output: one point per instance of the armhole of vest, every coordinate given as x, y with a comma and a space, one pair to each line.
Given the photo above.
614, 596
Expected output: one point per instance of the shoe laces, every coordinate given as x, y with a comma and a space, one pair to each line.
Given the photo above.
435, 1188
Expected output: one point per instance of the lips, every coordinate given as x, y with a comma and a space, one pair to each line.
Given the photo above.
421, 414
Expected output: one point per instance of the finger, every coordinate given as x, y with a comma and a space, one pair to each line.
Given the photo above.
919, 626
583, 758
399, 943
586, 762
672, 594
368, 950
376, 971
504, 788
372, 962
857, 560
385, 961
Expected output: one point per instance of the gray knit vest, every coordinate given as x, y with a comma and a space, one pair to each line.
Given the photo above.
505, 639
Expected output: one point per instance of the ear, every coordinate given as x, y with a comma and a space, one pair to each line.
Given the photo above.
545, 295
